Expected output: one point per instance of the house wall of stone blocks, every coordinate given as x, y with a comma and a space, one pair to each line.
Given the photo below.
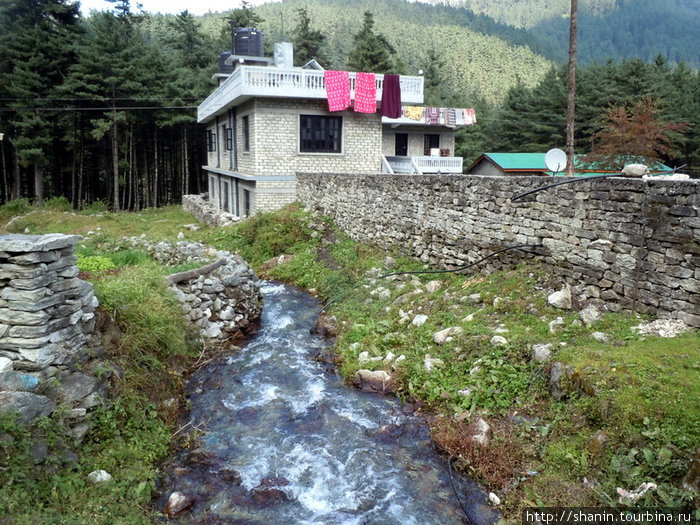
633, 243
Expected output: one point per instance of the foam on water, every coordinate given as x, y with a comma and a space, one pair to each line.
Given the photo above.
271, 411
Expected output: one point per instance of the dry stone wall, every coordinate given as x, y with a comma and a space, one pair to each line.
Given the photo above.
632, 244
47, 323
223, 302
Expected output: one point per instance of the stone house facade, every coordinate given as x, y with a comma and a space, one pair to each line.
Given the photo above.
266, 123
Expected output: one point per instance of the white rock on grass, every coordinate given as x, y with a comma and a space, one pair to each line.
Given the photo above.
363, 357
494, 500
541, 352
498, 340
99, 476
433, 286
432, 362
590, 314
444, 336
601, 337
561, 299
556, 324
398, 361
419, 320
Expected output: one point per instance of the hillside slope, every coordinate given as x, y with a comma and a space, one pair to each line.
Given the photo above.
477, 66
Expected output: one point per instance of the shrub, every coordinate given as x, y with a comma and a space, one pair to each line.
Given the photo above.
58, 204
94, 263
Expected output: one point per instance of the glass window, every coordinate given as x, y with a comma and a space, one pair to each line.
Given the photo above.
246, 133
320, 134
430, 141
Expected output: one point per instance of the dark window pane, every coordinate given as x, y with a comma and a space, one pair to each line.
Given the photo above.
320, 134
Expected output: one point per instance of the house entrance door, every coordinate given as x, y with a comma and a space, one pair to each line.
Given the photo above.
401, 144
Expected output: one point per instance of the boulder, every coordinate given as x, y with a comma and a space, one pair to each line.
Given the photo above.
635, 170
177, 503
433, 286
99, 476
432, 362
541, 352
419, 320
326, 326
378, 381
498, 340
590, 314
444, 336
26, 405
561, 299
480, 432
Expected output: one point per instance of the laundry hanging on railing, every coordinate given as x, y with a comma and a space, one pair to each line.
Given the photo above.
337, 89
432, 116
391, 96
469, 116
366, 93
413, 112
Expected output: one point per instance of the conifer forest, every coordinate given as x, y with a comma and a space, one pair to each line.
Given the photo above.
102, 108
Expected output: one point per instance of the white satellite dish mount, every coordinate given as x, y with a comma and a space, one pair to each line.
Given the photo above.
555, 160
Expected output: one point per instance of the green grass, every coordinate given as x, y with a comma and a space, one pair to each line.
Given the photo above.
133, 431
642, 391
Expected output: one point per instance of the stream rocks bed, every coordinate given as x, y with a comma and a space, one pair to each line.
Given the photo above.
281, 439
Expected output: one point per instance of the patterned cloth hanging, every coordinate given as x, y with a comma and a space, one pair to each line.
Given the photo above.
365, 93
413, 112
469, 116
337, 90
451, 117
432, 116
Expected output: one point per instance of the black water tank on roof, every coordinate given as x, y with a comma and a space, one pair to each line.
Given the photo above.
248, 42
223, 67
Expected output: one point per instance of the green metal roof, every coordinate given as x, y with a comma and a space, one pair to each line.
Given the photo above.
535, 162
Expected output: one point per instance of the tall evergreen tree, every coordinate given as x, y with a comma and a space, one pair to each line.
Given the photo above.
371, 51
35, 52
308, 43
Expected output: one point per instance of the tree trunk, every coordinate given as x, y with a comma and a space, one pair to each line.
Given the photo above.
155, 166
39, 184
186, 188
571, 102
5, 186
14, 195
115, 160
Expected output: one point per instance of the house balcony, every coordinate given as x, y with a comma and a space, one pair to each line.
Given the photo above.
259, 81
419, 165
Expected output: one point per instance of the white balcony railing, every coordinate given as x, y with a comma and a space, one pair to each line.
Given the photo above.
249, 81
424, 164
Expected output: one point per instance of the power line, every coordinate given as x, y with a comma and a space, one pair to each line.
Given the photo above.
106, 108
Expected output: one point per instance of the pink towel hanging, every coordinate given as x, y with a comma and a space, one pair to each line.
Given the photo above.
337, 90
365, 93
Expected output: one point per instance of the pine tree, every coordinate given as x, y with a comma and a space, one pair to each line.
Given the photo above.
35, 51
371, 52
308, 43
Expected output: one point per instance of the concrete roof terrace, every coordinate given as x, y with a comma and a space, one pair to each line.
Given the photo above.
259, 81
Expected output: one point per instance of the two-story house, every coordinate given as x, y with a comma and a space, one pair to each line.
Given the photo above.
267, 121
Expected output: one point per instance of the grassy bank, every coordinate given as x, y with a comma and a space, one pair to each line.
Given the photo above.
43, 474
629, 414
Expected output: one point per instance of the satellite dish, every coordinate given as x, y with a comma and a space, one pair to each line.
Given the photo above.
555, 160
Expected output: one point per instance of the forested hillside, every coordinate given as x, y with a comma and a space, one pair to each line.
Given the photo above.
607, 28
103, 108
481, 59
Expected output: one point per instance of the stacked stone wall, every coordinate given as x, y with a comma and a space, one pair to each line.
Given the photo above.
206, 211
47, 323
222, 302
634, 244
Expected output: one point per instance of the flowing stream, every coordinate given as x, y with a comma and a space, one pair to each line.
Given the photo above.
286, 442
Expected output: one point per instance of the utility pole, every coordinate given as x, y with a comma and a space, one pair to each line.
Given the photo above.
5, 189
571, 102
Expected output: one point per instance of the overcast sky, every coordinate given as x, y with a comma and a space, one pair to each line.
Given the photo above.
168, 6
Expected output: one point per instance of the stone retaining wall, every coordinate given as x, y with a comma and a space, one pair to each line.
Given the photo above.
47, 322
205, 211
634, 244
223, 302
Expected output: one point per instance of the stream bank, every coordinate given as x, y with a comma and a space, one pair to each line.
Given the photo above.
282, 439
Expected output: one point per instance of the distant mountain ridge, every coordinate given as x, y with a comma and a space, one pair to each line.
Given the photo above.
608, 29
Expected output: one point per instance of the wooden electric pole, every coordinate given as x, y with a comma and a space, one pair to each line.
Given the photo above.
571, 102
